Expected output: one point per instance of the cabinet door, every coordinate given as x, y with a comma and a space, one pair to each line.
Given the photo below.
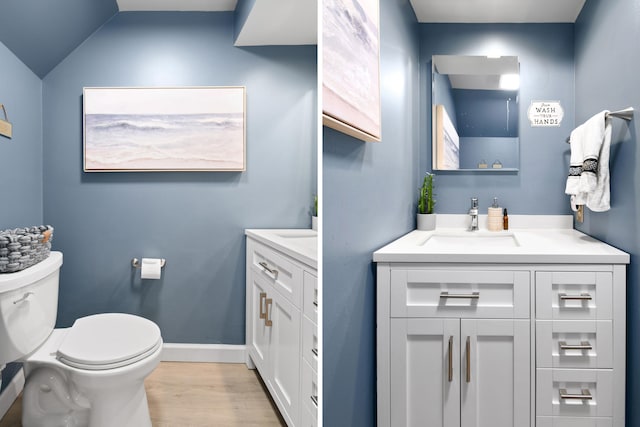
259, 332
425, 372
285, 355
496, 375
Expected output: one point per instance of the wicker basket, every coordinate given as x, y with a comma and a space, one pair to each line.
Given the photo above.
23, 247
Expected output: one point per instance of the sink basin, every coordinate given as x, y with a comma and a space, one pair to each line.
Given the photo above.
471, 239
305, 239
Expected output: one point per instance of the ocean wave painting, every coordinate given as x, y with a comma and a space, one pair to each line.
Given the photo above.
164, 129
351, 77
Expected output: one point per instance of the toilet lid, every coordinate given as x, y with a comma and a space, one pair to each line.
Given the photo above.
107, 341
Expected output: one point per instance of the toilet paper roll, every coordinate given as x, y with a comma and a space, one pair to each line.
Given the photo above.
151, 268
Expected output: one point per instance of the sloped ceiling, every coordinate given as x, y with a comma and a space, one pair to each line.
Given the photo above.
43, 32
497, 11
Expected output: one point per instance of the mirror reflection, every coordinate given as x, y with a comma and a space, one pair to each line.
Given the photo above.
475, 112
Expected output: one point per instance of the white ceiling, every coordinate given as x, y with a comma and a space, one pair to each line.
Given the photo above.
270, 22
495, 11
285, 22
475, 72
177, 5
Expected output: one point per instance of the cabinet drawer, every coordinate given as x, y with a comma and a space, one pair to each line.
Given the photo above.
283, 274
309, 389
459, 293
587, 392
308, 419
574, 295
573, 422
311, 297
310, 343
574, 344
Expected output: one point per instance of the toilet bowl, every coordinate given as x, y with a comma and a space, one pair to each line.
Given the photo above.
91, 374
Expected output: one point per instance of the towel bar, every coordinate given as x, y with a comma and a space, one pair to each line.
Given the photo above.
626, 114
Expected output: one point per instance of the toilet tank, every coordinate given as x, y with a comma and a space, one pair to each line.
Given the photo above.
28, 307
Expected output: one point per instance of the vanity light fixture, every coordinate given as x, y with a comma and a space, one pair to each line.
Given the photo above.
510, 81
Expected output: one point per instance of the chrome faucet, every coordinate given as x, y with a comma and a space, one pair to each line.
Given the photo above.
473, 212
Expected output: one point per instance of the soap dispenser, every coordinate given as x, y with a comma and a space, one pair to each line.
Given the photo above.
495, 216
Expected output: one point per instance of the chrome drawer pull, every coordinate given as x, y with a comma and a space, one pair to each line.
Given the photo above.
474, 295
270, 270
314, 399
583, 296
315, 303
584, 345
586, 395
314, 351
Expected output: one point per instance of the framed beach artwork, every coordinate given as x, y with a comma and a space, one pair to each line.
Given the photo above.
446, 142
136, 129
351, 68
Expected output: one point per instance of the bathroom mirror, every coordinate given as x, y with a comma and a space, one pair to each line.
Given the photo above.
475, 113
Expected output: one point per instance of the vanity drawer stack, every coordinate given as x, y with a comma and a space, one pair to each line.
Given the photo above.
310, 355
575, 352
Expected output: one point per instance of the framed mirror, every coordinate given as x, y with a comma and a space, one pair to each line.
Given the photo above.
475, 113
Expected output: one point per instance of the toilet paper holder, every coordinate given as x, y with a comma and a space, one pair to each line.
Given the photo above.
136, 263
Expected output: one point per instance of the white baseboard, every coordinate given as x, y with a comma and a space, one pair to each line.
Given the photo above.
217, 353
12, 391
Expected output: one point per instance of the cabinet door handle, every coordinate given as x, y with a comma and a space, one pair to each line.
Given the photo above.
314, 351
583, 296
585, 395
267, 317
468, 359
314, 399
584, 345
451, 358
263, 296
265, 266
474, 295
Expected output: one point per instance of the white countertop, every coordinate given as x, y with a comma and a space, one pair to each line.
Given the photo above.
298, 243
550, 241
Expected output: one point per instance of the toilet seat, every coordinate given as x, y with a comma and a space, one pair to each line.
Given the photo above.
108, 341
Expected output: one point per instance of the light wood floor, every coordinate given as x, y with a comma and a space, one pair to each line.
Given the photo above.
199, 394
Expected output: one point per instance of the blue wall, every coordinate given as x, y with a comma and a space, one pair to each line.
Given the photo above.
545, 53
370, 192
607, 63
21, 169
194, 220
484, 112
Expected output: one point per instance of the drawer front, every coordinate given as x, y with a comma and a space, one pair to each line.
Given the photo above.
282, 273
573, 422
309, 389
460, 293
574, 344
310, 343
308, 419
574, 295
574, 392
311, 297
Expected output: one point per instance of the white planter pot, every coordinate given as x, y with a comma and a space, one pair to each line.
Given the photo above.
314, 222
426, 221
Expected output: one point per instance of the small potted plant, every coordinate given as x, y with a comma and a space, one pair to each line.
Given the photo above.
426, 217
314, 214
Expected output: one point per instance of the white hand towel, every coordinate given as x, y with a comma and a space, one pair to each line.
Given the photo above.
592, 140
575, 168
598, 199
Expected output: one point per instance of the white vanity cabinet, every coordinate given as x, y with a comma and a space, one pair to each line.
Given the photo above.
457, 347
533, 336
281, 284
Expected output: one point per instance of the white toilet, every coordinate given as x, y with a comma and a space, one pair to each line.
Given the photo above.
91, 374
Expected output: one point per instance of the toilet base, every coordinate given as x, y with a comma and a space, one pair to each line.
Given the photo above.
50, 400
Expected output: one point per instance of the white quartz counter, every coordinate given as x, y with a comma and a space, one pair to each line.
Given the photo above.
301, 244
549, 242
